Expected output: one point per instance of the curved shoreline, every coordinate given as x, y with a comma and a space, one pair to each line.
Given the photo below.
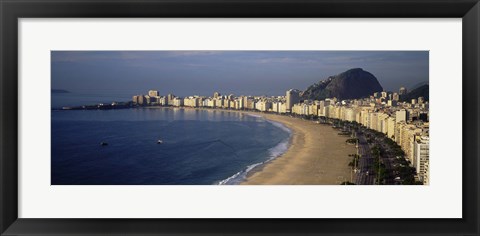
316, 156
241, 176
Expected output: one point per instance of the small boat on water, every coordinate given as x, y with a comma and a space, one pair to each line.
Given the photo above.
159, 141
103, 143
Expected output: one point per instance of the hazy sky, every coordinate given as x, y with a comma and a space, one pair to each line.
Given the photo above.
238, 72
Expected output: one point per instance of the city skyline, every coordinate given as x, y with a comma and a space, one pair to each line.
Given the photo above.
405, 123
399, 127
362, 107
238, 72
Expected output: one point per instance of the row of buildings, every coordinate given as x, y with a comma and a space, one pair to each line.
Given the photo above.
406, 123
278, 104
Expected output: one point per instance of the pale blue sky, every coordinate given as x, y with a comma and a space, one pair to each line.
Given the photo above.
239, 72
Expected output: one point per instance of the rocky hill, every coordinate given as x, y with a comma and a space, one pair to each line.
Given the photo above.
351, 84
422, 91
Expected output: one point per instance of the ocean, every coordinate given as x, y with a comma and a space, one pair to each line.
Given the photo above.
90, 97
200, 147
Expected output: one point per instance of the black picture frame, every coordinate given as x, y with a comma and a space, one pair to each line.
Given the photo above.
12, 10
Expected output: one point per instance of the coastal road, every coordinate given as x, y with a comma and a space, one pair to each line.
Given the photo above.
365, 176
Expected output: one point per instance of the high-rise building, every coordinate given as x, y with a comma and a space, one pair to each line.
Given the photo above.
216, 94
153, 93
135, 99
402, 91
382, 125
177, 102
282, 108
163, 101
421, 157
292, 97
399, 126
155, 100
142, 100
391, 103
426, 174
401, 115
350, 114
275, 106
391, 127
147, 100
191, 102
241, 102
169, 99
219, 101
395, 97
323, 105
211, 103
373, 121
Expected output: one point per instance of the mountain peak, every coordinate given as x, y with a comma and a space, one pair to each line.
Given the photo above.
351, 84
354, 70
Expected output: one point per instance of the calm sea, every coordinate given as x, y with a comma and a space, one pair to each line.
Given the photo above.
91, 97
199, 146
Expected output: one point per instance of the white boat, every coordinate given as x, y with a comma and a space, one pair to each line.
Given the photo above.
159, 141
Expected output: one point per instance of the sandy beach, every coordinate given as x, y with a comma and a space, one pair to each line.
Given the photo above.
317, 156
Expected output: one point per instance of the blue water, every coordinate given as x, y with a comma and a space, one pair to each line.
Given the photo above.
91, 97
200, 146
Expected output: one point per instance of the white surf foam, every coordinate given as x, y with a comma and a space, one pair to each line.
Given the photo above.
273, 153
253, 115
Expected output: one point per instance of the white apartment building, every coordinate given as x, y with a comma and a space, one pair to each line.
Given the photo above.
292, 97
373, 121
401, 115
177, 102
153, 93
391, 128
421, 153
191, 102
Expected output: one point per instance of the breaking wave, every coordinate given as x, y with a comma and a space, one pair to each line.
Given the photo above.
273, 153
